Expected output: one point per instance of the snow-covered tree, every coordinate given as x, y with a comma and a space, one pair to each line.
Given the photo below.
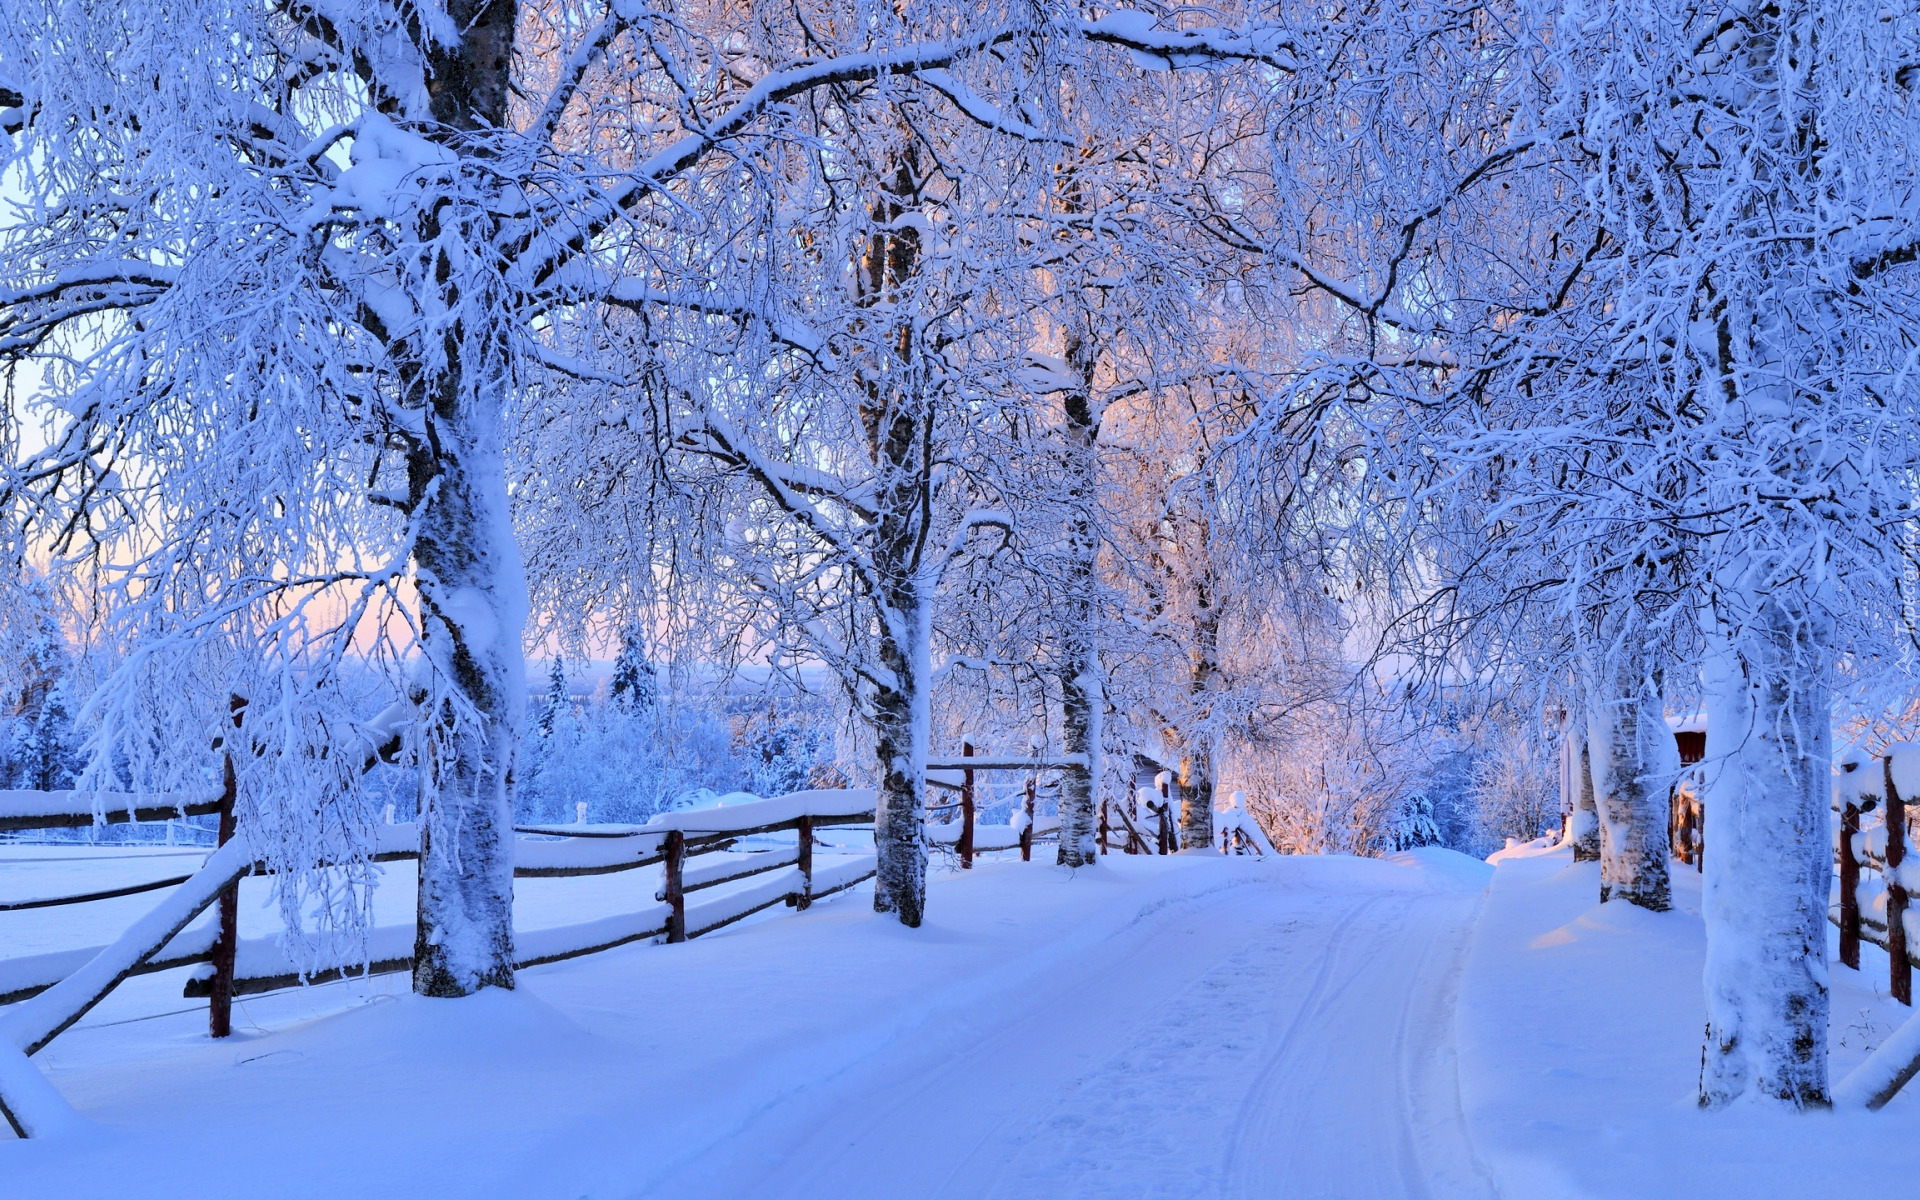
634, 687
39, 743
1679, 424
1514, 792
288, 275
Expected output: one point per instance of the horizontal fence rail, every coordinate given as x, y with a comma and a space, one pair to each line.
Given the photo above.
69, 810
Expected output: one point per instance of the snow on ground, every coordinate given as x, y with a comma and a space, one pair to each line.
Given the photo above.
1182, 1026
1188, 1026
1580, 1028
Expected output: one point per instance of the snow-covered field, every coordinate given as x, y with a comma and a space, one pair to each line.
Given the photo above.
1152, 1027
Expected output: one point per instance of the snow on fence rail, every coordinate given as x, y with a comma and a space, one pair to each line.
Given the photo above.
1858, 791
61, 810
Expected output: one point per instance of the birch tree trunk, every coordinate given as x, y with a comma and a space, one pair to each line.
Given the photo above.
473, 605
1767, 879
897, 415
1632, 757
901, 722
1082, 696
467, 570
1196, 765
1584, 827
1771, 654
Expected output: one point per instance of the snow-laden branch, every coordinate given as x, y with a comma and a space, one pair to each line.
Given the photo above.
668, 163
132, 273
772, 478
632, 294
976, 662
1161, 49
576, 368
978, 108
979, 518
1166, 49
583, 59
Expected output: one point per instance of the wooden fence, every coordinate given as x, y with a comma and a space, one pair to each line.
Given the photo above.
47, 993
1882, 849
675, 842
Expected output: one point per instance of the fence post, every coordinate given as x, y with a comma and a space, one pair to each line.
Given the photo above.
805, 899
1166, 819
1700, 838
1026, 835
966, 810
226, 946
676, 894
1849, 887
1900, 971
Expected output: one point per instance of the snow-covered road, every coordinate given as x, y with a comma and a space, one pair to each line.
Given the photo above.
1165, 1027
1256, 1042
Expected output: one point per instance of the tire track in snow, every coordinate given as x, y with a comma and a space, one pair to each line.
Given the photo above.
1360, 1098
1256, 1108
1156, 1111
1274, 1041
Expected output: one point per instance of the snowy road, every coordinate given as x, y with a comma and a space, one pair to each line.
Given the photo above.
1256, 1042
1157, 1027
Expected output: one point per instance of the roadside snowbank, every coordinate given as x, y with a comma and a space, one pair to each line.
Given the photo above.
1579, 1032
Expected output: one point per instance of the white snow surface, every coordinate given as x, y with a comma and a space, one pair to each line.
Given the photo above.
1579, 1036
1393, 1028
1906, 769
1030, 1040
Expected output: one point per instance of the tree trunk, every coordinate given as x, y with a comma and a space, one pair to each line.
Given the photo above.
1769, 673
1196, 800
1082, 695
1584, 828
1767, 881
1633, 758
901, 723
473, 608
1081, 701
1196, 765
467, 570
897, 417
